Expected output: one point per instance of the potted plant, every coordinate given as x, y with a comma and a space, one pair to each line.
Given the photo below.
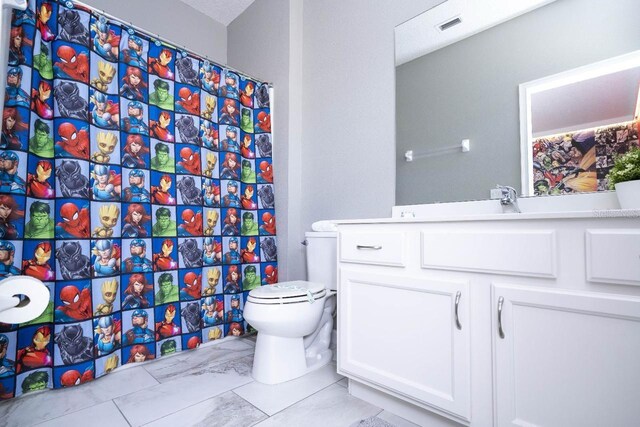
624, 177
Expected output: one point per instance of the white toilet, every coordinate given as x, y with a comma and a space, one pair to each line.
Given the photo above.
295, 319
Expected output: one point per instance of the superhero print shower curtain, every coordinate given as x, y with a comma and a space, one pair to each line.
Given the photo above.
136, 182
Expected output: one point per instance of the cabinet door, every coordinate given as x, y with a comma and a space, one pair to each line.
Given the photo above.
566, 359
400, 333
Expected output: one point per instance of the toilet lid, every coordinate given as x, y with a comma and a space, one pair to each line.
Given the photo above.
298, 288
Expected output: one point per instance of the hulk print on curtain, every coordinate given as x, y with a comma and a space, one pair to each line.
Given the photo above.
136, 182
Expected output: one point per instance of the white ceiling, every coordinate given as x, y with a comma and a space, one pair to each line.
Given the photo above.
223, 11
421, 35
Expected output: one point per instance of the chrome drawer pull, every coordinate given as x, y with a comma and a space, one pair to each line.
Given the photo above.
458, 325
372, 247
500, 331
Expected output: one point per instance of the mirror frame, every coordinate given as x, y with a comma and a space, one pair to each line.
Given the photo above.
586, 72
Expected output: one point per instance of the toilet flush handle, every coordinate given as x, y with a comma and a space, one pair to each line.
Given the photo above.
305, 242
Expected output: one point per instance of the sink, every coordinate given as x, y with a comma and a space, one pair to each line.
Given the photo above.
586, 205
586, 202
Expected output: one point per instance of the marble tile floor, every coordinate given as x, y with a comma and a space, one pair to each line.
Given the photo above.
211, 386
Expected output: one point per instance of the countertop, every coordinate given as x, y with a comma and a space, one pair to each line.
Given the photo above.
593, 214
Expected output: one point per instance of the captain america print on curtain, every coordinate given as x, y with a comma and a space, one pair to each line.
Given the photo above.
136, 182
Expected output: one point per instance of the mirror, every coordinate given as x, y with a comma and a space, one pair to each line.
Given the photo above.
470, 90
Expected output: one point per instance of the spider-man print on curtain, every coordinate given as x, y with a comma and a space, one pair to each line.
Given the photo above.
136, 182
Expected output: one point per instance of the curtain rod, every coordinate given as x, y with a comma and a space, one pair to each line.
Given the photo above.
166, 41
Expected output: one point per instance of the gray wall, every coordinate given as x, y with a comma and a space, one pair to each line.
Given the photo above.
192, 29
349, 106
332, 64
470, 90
265, 41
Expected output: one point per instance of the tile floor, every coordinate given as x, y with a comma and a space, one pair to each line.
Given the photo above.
211, 386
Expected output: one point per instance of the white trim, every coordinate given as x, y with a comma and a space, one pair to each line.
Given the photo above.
526, 162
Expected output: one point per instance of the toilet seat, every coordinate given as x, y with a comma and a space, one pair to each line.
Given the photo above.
293, 339
288, 293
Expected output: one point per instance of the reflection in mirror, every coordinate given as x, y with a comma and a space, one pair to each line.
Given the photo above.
573, 124
469, 90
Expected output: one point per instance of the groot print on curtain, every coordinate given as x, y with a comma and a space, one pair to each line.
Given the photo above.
136, 182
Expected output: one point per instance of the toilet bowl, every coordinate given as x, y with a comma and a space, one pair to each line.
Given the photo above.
294, 319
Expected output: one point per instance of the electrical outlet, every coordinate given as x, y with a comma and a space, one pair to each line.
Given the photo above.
496, 193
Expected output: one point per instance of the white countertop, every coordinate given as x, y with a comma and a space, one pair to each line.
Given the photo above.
577, 206
594, 214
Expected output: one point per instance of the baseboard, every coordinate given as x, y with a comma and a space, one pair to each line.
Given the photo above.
409, 412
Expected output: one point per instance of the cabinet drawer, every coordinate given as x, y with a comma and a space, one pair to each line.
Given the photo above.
520, 253
373, 248
613, 256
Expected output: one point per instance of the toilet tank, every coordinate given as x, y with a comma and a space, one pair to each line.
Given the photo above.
322, 258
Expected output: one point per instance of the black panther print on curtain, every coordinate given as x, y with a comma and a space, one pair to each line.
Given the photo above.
136, 182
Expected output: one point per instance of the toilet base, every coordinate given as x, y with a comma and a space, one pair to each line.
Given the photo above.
279, 359
320, 360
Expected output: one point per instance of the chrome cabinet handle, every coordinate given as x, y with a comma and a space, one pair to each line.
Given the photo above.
500, 331
458, 295
372, 247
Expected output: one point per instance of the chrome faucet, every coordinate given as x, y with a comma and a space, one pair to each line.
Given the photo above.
509, 197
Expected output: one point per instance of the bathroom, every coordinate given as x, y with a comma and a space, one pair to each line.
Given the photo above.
402, 287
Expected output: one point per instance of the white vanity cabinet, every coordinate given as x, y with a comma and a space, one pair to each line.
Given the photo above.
565, 358
409, 335
493, 322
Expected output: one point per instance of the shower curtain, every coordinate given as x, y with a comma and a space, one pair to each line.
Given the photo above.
136, 182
